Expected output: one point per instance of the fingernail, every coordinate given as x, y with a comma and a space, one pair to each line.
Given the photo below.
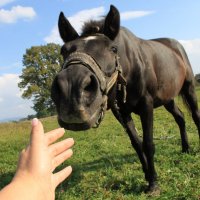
69, 167
34, 122
70, 139
63, 130
70, 151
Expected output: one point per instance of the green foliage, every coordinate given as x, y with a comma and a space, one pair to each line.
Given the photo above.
41, 64
106, 167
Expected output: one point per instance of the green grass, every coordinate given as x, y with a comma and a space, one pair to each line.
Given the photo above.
105, 166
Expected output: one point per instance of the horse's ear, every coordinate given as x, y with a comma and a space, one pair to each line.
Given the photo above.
67, 32
112, 23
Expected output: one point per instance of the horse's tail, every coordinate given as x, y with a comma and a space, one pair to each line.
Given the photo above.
188, 93
189, 82
185, 102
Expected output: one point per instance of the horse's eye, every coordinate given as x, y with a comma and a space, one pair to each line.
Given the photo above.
114, 49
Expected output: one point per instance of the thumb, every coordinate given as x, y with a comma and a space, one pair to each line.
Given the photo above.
37, 132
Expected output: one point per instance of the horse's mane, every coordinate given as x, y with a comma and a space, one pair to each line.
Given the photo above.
92, 27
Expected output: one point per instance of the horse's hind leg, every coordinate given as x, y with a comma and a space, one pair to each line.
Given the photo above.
189, 96
179, 118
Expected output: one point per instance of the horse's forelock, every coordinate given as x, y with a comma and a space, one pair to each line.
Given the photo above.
92, 27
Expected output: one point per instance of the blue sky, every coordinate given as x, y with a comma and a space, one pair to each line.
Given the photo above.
26, 23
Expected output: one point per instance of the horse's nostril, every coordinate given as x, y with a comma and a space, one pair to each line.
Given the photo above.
89, 84
90, 87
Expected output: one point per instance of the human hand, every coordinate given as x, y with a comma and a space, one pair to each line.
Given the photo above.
38, 161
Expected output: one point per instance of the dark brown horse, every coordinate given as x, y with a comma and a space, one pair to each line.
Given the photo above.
107, 67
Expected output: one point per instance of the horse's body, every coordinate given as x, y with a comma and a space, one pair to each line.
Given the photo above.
158, 67
154, 72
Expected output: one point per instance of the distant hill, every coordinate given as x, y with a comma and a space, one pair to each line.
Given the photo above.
10, 119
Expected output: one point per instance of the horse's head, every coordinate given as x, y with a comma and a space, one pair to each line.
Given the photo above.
80, 89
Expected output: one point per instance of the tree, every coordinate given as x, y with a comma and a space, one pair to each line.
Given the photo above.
41, 64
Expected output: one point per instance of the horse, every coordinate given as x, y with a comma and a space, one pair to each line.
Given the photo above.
108, 67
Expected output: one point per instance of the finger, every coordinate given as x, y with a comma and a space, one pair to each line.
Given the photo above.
22, 159
60, 176
61, 158
37, 133
54, 135
57, 148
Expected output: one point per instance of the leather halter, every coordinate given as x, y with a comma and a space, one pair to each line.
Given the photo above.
106, 83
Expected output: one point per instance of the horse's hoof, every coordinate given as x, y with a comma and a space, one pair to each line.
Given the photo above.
186, 150
153, 190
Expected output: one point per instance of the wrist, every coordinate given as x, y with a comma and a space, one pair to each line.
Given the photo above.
34, 188
18, 189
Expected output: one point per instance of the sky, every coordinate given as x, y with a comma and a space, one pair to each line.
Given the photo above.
27, 23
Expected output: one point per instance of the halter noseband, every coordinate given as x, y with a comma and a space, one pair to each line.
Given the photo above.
106, 83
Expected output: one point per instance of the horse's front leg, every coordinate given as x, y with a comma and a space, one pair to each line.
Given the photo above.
126, 120
146, 115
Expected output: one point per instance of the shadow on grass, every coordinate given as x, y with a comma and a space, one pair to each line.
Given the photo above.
5, 179
113, 183
114, 165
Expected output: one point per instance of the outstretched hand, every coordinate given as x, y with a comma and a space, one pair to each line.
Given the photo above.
38, 161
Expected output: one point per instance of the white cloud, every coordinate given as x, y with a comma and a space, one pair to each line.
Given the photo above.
77, 21
7, 78
134, 14
4, 2
16, 13
11, 103
54, 36
192, 48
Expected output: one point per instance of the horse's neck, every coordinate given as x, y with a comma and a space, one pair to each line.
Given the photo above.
128, 49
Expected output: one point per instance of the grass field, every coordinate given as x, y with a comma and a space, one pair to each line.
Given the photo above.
105, 166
